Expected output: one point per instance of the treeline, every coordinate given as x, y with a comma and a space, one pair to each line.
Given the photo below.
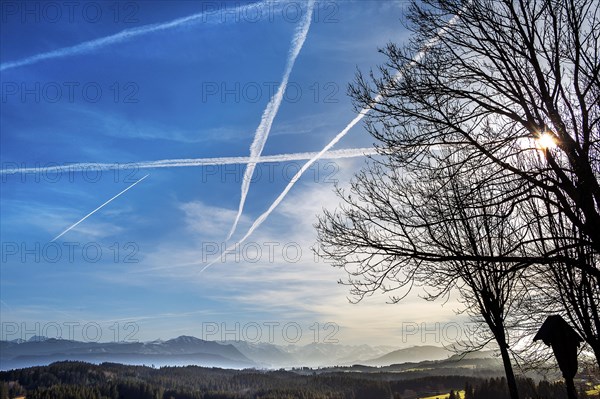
78, 380
497, 388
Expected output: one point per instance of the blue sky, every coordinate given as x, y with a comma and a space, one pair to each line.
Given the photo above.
177, 88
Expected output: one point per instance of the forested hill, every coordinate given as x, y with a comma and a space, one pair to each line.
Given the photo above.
78, 380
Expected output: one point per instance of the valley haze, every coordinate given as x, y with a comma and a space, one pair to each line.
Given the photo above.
189, 350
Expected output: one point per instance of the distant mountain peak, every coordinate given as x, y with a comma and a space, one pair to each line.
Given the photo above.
37, 338
185, 339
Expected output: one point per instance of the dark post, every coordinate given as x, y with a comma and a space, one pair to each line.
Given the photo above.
564, 340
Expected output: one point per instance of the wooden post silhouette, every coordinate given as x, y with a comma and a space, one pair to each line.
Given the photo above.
564, 340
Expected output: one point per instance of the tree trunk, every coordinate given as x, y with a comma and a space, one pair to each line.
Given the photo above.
508, 370
571, 391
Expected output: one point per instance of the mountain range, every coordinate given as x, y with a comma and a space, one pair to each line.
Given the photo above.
187, 350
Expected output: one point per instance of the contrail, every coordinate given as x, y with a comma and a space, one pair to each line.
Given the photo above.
294, 179
97, 209
124, 35
264, 128
193, 162
337, 138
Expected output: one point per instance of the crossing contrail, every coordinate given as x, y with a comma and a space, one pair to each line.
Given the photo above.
293, 181
417, 58
14, 169
264, 128
127, 34
97, 209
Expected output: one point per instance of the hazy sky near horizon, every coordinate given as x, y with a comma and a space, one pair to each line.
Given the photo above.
126, 82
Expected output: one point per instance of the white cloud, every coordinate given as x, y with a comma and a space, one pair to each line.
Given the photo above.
205, 219
280, 287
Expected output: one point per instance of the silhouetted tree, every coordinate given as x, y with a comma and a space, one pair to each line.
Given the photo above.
562, 288
398, 229
491, 105
3, 390
496, 80
469, 392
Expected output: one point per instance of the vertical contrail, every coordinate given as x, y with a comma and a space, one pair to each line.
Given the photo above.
97, 209
264, 128
120, 37
337, 138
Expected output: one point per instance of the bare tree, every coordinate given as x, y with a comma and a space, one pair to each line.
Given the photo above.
502, 109
430, 229
561, 288
503, 74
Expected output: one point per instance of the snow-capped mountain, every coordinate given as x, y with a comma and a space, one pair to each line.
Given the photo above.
188, 350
